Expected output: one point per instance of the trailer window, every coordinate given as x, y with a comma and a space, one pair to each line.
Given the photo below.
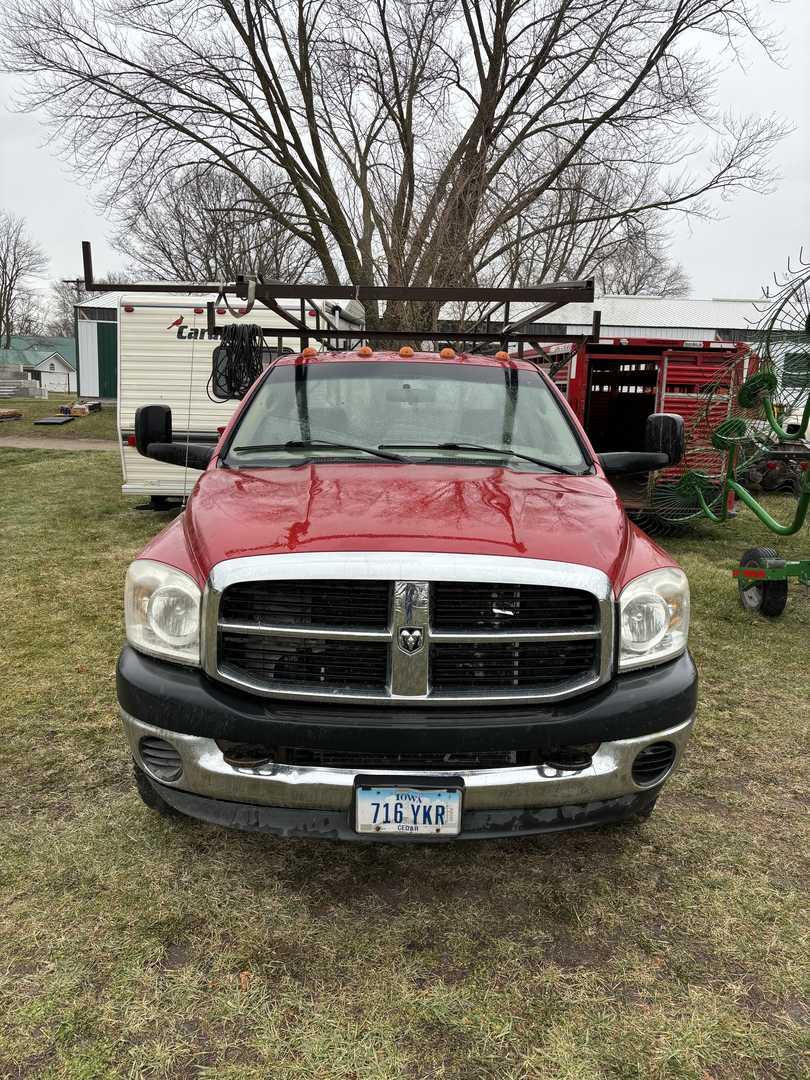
410, 402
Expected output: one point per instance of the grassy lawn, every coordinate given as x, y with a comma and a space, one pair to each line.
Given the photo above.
98, 425
136, 947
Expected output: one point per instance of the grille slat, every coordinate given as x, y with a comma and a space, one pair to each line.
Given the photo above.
351, 759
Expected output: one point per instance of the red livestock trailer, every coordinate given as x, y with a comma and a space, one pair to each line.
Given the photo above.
614, 384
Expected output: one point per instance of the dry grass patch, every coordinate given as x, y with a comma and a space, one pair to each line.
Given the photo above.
142, 948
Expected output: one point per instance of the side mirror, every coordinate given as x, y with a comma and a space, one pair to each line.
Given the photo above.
153, 424
664, 434
629, 462
664, 441
182, 454
153, 439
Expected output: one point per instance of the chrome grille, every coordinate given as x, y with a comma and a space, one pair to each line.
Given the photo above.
391, 627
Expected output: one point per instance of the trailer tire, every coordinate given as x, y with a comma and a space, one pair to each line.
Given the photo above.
149, 796
766, 597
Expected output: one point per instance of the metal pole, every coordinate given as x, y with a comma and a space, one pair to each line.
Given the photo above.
87, 260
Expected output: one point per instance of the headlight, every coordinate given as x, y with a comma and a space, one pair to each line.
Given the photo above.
653, 618
162, 611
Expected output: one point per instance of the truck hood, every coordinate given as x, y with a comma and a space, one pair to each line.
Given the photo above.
379, 507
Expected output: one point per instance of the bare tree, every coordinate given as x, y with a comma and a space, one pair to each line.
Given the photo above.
62, 299
204, 223
642, 266
20, 258
413, 136
27, 316
565, 235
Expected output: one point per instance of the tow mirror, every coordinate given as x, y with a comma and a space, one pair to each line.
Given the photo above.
153, 439
665, 435
153, 424
664, 440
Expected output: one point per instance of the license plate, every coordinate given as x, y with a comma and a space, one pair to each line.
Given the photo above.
408, 811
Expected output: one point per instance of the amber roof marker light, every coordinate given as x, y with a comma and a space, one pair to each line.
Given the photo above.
406, 351
447, 353
365, 350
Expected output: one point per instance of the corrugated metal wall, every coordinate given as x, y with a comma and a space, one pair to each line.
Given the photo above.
678, 333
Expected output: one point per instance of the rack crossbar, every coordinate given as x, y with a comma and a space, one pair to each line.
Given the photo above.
555, 292
416, 335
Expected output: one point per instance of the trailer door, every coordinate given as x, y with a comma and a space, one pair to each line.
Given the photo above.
622, 390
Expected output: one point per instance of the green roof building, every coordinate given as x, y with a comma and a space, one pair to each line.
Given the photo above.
47, 360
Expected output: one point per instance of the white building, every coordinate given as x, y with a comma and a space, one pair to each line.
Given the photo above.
670, 317
54, 373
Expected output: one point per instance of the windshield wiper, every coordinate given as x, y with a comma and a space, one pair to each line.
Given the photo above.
308, 444
505, 450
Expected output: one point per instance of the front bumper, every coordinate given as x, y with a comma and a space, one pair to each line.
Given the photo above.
189, 711
315, 801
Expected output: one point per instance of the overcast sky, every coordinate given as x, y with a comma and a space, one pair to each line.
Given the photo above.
731, 256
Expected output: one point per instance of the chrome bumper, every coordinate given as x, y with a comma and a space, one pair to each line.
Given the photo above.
207, 774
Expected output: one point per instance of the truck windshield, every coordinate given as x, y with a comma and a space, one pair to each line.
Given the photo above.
450, 412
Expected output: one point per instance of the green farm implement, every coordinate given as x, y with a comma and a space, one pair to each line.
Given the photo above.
779, 392
763, 580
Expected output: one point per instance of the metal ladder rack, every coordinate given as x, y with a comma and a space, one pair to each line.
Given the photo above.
545, 298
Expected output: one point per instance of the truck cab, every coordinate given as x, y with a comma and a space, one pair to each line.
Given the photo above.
404, 602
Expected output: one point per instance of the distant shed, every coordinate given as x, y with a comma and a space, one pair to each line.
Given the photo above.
669, 317
42, 359
97, 346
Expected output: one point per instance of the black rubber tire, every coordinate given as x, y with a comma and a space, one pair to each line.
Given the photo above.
646, 813
636, 819
149, 796
766, 597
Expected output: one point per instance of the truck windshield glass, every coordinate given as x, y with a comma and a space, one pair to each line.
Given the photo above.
420, 407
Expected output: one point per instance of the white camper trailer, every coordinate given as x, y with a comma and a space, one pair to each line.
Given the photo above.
165, 358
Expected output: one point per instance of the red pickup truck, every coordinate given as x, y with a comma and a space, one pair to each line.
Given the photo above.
404, 602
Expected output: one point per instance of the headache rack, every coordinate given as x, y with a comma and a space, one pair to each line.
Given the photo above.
485, 330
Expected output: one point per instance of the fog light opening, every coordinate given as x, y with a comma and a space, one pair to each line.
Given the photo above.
653, 763
160, 759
